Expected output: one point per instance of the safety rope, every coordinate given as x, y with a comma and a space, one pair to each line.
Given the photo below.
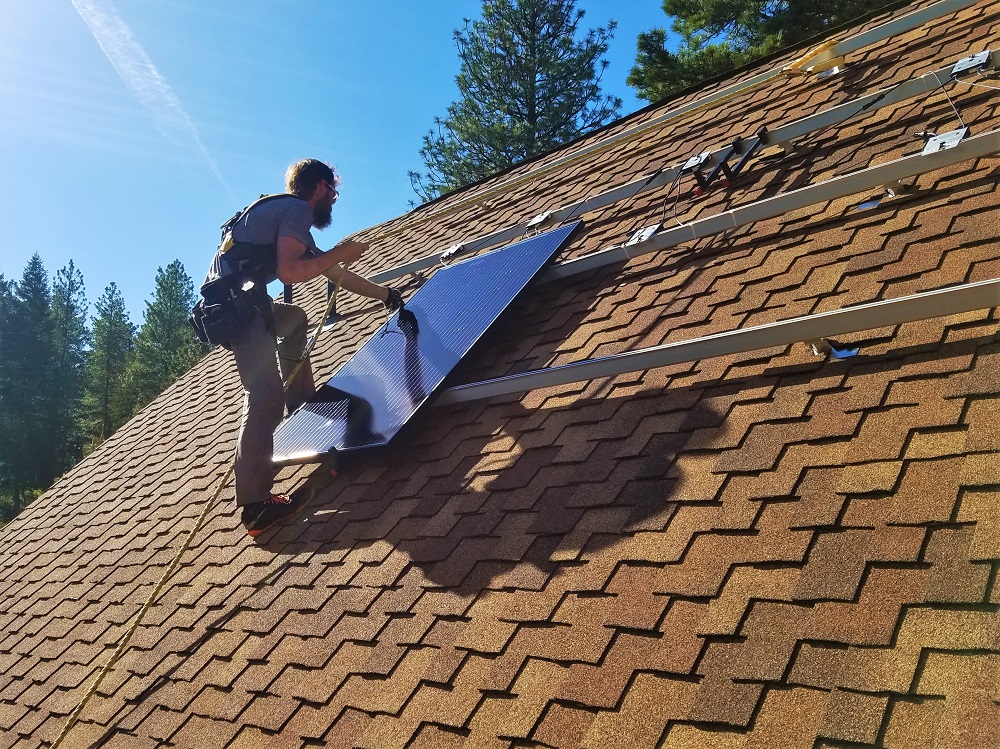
172, 568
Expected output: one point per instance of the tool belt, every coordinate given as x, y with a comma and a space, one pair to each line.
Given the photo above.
226, 309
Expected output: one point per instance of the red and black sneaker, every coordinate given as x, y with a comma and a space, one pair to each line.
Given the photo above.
260, 516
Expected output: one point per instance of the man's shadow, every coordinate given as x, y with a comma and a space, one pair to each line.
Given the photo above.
470, 494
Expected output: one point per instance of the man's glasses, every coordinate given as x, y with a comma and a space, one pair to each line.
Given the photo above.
334, 191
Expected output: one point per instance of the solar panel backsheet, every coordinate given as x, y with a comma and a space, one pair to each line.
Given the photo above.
378, 389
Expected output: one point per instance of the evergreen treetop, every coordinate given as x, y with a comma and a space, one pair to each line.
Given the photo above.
721, 35
527, 84
106, 405
166, 346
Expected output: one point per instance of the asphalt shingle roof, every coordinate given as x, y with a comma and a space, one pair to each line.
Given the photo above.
769, 549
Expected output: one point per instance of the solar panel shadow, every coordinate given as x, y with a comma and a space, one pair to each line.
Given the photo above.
378, 389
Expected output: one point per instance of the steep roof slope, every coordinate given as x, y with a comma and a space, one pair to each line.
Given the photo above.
770, 549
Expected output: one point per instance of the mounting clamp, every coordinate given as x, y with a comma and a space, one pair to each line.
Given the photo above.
642, 234
448, 254
695, 161
972, 62
538, 220
895, 188
944, 141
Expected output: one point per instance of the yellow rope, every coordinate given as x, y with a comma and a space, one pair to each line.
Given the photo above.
172, 568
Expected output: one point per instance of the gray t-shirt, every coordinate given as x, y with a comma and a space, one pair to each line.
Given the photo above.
265, 224
280, 217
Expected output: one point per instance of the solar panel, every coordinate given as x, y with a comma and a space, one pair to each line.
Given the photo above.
378, 389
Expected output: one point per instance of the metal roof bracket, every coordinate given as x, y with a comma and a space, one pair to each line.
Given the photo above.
819, 346
894, 188
972, 62
642, 234
944, 141
451, 252
538, 221
696, 161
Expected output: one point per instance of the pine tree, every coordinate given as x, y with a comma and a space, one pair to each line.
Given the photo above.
106, 406
527, 85
26, 449
8, 377
166, 346
69, 351
718, 36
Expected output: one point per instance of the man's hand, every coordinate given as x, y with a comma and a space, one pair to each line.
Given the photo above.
349, 251
395, 300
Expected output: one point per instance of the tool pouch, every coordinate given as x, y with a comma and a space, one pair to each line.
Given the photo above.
222, 313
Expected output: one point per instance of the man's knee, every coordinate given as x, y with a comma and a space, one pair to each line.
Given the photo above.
290, 320
266, 405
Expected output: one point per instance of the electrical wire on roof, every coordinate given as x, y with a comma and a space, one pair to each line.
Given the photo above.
584, 204
869, 104
948, 97
676, 181
625, 202
980, 85
175, 562
982, 74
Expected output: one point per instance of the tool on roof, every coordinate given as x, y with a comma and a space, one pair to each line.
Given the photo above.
742, 147
824, 346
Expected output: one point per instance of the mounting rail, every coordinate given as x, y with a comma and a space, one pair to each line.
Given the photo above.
939, 303
884, 31
867, 104
887, 30
837, 187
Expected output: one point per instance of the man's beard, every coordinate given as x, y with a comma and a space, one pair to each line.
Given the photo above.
322, 215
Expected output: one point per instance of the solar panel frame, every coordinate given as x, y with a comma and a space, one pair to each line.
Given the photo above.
379, 389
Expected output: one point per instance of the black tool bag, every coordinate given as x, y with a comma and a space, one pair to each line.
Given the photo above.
224, 311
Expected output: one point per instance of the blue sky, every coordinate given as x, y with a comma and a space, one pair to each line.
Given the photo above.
130, 130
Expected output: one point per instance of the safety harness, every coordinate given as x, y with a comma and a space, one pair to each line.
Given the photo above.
235, 289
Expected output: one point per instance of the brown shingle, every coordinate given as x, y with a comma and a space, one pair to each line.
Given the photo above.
853, 716
758, 550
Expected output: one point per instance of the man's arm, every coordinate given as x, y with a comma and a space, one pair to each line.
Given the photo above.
357, 284
296, 266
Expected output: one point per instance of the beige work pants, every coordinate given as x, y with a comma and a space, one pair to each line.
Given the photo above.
265, 399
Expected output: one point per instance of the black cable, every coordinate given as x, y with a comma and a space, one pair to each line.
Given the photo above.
666, 197
578, 207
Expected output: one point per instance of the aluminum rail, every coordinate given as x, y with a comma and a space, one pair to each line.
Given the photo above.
897, 26
782, 134
939, 303
883, 31
837, 187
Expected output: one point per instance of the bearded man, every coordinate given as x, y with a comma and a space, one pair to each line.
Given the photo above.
272, 239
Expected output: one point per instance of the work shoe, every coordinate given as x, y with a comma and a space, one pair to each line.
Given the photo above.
260, 516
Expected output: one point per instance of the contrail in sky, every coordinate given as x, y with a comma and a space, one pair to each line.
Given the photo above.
140, 75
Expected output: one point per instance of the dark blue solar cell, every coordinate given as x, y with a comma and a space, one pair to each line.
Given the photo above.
374, 393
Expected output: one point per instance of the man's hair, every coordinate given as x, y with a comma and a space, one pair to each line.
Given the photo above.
302, 177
